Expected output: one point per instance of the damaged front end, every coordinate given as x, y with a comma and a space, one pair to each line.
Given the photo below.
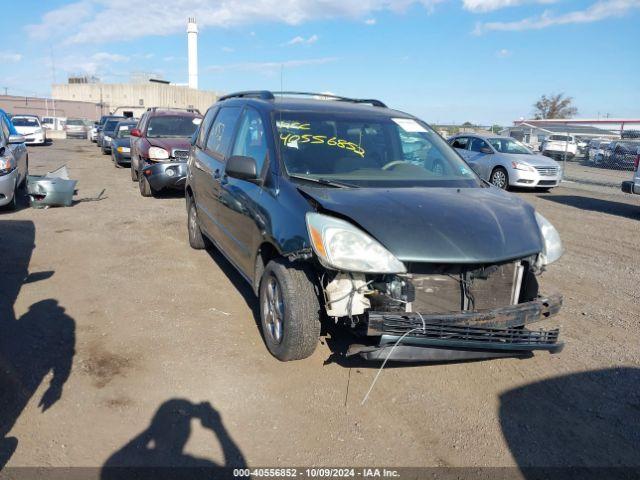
435, 312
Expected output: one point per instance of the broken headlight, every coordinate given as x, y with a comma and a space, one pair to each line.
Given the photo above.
7, 165
552, 248
341, 246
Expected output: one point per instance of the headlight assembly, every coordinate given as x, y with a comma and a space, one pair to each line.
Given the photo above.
552, 249
157, 153
522, 166
340, 245
7, 165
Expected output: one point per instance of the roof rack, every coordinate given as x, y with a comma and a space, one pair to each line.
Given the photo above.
267, 95
169, 109
370, 101
261, 94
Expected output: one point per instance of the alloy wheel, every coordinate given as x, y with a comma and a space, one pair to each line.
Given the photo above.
499, 179
273, 310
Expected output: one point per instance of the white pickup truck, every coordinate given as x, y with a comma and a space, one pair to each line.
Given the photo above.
633, 186
557, 146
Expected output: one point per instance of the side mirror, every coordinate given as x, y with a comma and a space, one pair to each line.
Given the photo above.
135, 132
486, 150
244, 168
16, 139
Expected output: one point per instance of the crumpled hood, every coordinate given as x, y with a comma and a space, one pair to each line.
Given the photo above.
439, 225
169, 144
27, 130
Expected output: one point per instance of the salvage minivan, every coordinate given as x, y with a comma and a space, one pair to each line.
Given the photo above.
345, 211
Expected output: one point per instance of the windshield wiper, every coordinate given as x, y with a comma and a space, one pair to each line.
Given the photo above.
324, 181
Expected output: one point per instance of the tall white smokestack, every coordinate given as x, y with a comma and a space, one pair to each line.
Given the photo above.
192, 41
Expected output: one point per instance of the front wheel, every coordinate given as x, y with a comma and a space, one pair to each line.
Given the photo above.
500, 178
145, 188
289, 310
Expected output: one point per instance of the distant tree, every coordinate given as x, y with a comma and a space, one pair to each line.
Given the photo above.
467, 124
496, 128
554, 106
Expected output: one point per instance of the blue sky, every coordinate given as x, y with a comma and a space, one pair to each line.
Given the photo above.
484, 61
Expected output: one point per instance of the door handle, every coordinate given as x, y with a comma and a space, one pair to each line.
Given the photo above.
216, 174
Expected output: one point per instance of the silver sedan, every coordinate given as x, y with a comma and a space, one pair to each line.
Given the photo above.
505, 162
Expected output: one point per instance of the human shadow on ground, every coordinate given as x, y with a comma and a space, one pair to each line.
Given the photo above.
582, 425
158, 452
40, 341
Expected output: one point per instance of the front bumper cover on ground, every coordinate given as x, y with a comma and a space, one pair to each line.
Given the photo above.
462, 335
166, 175
629, 187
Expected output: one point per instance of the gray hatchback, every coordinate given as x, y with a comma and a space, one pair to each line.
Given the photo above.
506, 162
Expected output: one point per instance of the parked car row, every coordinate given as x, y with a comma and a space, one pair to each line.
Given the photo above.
348, 213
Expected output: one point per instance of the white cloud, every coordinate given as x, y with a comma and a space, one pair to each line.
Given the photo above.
109, 57
10, 57
267, 67
598, 11
503, 53
370, 21
101, 21
302, 41
480, 6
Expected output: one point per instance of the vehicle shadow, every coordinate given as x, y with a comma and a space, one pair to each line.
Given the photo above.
158, 452
585, 420
619, 209
239, 283
39, 342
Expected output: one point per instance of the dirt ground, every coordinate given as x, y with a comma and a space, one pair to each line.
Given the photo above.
154, 334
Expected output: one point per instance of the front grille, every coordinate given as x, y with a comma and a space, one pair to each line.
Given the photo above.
398, 325
181, 155
547, 171
546, 182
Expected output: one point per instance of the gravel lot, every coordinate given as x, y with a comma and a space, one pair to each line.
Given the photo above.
147, 321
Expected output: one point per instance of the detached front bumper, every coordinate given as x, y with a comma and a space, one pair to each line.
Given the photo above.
163, 175
629, 187
462, 335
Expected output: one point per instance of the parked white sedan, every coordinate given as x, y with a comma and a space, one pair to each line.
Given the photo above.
31, 127
506, 162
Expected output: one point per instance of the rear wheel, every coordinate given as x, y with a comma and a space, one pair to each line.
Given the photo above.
500, 178
196, 240
289, 310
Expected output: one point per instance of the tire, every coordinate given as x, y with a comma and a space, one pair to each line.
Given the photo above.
145, 188
134, 173
196, 239
289, 310
23, 184
499, 178
13, 204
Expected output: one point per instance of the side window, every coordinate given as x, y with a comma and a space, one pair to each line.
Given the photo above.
461, 143
251, 139
477, 144
5, 128
221, 132
204, 127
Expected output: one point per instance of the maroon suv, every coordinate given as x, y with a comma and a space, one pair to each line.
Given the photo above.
160, 148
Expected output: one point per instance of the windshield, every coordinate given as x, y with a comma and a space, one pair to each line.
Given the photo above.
172, 126
124, 131
25, 122
561, 138
110, 125
369, 151
508, 145
75, 122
